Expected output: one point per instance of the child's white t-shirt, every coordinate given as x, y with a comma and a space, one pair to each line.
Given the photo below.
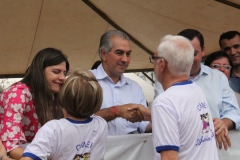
69, 139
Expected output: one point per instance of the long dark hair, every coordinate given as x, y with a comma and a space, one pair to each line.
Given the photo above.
46, 105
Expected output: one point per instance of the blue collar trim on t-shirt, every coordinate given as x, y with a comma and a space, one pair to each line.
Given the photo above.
182, 83
80, 122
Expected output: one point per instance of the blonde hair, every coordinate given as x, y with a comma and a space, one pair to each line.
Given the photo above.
81, 94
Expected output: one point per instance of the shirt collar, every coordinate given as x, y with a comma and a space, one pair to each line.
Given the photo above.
233, 76
182, 83
101, 74
80, 122
204, 70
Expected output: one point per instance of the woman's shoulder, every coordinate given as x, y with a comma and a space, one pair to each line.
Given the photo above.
18, 88
20, 85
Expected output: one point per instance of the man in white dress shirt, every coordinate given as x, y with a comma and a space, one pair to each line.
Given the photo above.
119, 92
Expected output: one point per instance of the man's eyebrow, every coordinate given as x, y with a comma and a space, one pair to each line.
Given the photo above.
119, 50
226, 48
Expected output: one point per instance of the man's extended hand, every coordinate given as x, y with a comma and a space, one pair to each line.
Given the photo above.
145, 112
130, 115
221, 133
223, 141
219, 126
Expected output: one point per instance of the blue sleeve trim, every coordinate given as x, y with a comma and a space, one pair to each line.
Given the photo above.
167, 147
31, 155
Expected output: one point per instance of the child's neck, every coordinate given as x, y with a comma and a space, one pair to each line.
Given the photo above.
74, 118
66, 115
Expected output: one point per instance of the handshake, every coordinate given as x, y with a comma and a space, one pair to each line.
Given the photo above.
133, 112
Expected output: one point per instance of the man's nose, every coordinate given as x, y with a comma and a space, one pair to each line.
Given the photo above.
233, 51
124, 58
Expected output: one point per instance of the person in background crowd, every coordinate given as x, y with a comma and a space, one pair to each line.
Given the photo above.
119, 92
220, 60
230, 43
27, 105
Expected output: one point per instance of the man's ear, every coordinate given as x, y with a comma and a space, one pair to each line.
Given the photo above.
203, 51
163, 64
103, 54
221, 44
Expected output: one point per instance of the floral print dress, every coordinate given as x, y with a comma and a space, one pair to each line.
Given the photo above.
18, 119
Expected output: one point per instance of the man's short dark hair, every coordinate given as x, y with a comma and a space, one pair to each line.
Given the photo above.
191, 33
228, 35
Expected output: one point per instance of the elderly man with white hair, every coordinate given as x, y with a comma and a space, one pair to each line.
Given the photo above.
182, 123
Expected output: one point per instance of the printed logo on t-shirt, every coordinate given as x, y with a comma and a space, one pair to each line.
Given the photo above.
207, 133
87, 144
85, 156
205, 120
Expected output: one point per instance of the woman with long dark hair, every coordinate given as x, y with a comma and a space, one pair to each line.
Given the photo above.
27, 105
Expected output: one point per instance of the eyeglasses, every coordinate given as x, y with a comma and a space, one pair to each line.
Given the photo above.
217, 66
152, 58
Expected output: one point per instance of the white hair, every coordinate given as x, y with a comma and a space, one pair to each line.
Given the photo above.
178, 52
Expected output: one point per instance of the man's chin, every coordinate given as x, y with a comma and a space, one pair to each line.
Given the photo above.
120, 73
122, 70
236, 64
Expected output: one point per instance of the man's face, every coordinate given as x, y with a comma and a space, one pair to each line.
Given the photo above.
198, 54
159, 67
156, 68
232, 47
117, 60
